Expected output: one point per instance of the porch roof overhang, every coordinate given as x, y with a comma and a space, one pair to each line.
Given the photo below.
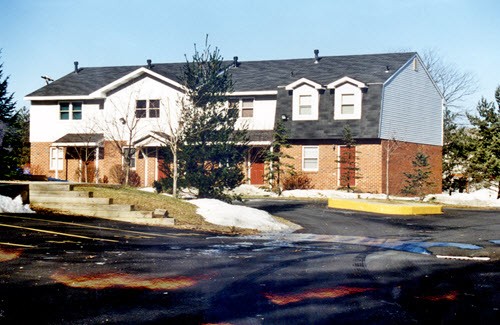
153, 139
80, 140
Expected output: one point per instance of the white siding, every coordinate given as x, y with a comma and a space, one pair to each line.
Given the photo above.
264, 110
412, 107
46, 126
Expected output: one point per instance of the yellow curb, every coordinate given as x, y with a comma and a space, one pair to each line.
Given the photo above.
385, 208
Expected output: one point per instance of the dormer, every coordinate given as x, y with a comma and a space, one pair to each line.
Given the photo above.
305, 102
348, 98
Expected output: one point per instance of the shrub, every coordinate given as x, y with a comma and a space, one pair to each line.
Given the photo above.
297, 181
118, 175
166, 185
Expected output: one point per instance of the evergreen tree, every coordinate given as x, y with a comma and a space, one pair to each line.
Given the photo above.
274, 156
12, 126
349, 169
213, 151
456, 146
418, 182
485, 157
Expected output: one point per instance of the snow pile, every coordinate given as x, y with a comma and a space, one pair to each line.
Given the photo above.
224, 214
250, 190
334, 194
481, 198
14, 205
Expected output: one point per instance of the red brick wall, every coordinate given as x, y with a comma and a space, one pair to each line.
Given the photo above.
371, 161
400, 160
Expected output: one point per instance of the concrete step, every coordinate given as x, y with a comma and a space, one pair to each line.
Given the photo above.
35, 193
66, 199
113, 214
51, 186
63, 206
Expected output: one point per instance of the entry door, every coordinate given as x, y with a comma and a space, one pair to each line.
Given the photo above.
257, 173
347, 160
257, 166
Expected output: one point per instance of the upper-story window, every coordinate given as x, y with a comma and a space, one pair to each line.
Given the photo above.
305, 105
305, 101
247, 107
70, 111
348, 103
145, 108
348, 98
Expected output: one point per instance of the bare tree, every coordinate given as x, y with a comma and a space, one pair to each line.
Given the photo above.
454, 84
122, 125
170, 133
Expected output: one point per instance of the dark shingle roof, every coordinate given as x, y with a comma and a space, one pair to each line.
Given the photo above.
80, 138
248, 76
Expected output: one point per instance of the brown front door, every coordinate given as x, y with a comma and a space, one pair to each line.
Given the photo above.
347, 165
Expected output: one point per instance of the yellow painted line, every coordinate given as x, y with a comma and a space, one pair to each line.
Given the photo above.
57, 233
105, 228
385, 208
17, 245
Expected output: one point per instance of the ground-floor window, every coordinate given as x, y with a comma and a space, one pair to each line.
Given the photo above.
310, 158
56, 158
129, 156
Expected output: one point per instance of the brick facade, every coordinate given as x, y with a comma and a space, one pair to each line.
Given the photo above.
371, 161
109, 156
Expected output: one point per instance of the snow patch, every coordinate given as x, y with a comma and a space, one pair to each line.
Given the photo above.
486, 197
224, 214
14, 205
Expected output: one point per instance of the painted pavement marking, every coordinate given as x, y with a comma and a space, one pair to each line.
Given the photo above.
102, 228
58, 233
17, 245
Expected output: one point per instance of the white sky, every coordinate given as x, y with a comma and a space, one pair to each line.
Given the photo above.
45, 37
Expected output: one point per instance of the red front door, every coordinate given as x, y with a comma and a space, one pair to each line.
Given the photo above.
347, 166
257, 173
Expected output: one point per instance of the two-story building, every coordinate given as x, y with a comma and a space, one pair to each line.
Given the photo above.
382, 97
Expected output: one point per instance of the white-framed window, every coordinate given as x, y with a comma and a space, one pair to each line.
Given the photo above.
129, 155
147, 108
305, 103
348, 98
56, 158
70, 110
247, 107
310, 158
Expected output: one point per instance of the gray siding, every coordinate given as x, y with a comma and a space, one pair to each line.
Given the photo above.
412, 107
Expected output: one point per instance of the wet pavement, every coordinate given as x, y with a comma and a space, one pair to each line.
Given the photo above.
345, 268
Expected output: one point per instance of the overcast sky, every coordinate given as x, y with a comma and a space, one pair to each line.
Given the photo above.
45, 37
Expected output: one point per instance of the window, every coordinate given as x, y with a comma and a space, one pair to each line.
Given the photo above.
145, 108
154, 108
56, 158
247, 107
129, 156
347, 104
305, 104
73, 110
415, 64
77, 111
140, 108
310, 158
